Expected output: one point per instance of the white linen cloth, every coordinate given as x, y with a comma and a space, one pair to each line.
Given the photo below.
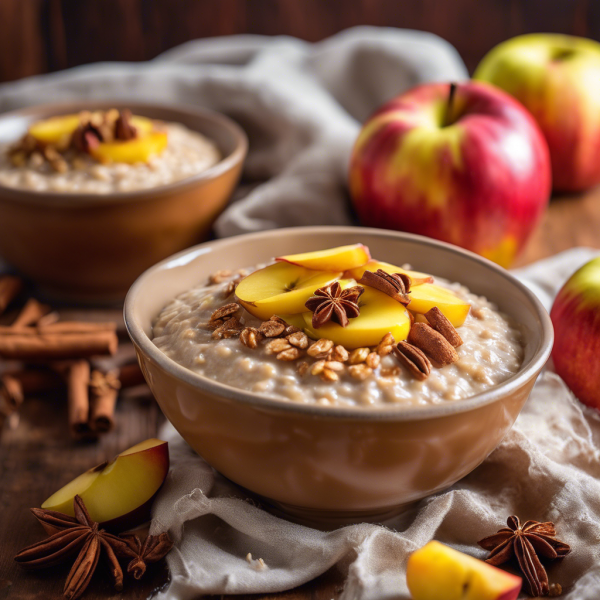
547, 468
301, 105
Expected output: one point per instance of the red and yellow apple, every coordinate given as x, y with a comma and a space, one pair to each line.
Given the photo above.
470, 167
438, 572
556, 77
576, 319
118, 494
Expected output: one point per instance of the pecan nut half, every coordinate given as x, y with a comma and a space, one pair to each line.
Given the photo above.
433, 344
395, 285
413, 360
440, 323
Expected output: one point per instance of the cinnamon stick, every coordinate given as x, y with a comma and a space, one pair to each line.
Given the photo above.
104, 388
10, 287
58, 341
34, 381
11, 393
77, 375
31, 313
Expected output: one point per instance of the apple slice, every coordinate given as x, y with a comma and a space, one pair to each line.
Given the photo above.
137, 150
54, 129
281, 288
424, 295
416, 277
118, 494
438, 572
379, 314
296, 320
342, 258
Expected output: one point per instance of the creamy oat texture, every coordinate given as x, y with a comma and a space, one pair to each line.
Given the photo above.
491, 353
187, 153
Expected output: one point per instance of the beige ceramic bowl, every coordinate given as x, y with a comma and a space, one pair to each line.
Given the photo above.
91, 246
329, 466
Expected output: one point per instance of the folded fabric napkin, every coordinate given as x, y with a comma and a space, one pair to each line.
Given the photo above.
547, 468
301, 105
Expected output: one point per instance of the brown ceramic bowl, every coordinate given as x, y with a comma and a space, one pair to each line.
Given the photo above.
91, 246
323, 465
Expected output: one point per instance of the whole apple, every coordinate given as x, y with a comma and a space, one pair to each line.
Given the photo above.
557, 77
576, 318
462, 163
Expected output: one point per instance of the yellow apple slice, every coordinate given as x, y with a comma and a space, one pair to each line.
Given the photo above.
438, 572
54, 129
294, 320
424, 295
379, 314
342, 258
373, 265
51, 131
281, 288
137, 150
118, 494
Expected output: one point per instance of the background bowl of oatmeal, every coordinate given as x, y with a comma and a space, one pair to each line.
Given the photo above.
90, 236
330, 465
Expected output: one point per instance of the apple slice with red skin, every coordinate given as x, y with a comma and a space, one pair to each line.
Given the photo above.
438, 572
341, 258
118, 494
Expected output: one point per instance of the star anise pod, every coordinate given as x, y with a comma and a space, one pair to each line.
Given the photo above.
79, 535
152, 550
527, 543
395, 285
331, 303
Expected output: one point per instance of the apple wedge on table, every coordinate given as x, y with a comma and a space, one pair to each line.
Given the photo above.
438, 572
118, 494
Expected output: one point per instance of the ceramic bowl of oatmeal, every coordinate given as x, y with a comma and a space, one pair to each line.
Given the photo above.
338, 373
92, 194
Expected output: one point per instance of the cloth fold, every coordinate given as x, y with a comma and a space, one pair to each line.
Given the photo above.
547, 468
301, 105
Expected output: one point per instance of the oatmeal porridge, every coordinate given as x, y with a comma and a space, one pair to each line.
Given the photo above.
103, 153
372, 335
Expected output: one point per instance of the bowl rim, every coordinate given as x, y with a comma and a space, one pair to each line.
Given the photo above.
388, 413
51, 198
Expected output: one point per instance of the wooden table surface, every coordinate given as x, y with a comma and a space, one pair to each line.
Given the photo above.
37, 456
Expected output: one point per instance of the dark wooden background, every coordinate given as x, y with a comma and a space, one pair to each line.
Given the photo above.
38, 36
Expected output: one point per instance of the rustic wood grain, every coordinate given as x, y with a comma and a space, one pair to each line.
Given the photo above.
37, 36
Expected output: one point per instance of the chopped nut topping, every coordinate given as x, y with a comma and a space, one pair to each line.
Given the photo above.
360, 372
339, 354
373, 360
225, 311
298, 339
329, 375
277, 319
386, 345
219, 276
290, 354
359, 355
303, 368
318, 367
250, 337
334, 365
277, 345
290, 329
320, 349
271, 329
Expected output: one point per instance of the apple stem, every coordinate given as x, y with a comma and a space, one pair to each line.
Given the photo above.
449, 105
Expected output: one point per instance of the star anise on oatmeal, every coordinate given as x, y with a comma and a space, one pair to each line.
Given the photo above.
527, 542
331, 303
82, 536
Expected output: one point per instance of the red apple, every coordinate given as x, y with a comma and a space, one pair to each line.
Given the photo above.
465, 164
557, 77
576, 318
